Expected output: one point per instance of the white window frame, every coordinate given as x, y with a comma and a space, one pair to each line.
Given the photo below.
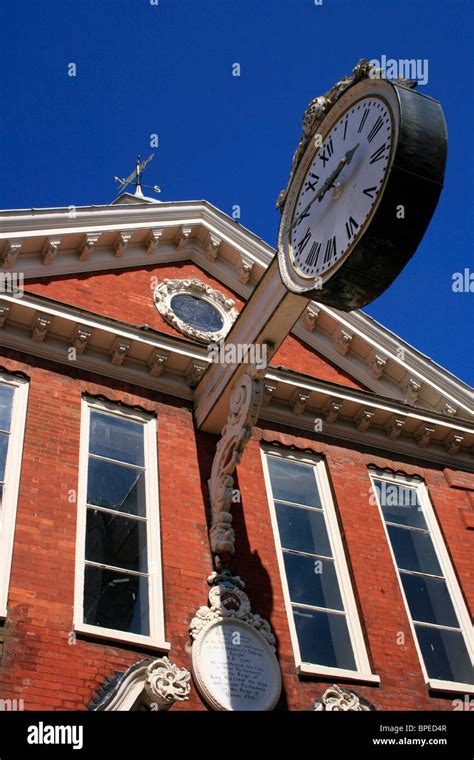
363, 672
446, 568
12, 483
156, 638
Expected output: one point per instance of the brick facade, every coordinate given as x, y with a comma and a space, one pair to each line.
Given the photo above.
43, 663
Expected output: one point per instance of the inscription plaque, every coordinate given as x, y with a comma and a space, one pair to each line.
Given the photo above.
234, 667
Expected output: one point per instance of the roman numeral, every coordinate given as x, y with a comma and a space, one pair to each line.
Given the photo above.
303, 242
351, 227
375, 129
363, 120
345, 128
329, 149
300, 219
378, 154
313, 254
308, 185
330, 249
369, 190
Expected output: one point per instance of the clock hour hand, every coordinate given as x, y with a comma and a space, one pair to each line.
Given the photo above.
320, 195
342, 163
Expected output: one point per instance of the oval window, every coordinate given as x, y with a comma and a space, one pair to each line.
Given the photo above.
197, 313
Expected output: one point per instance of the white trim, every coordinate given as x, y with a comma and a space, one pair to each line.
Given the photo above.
12, 483
363, 672
156, 638
446, 569
17, 334
307, 669
35, 224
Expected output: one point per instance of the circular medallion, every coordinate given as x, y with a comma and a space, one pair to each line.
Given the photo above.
195, 309
235, 668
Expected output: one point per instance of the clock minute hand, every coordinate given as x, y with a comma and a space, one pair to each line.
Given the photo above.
342, 163
320, 195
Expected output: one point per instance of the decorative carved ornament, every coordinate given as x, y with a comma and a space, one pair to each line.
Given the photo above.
376, 363
81, 338
410, 388
194, 373
50, 249
244, 408
163, 296
211, 247
87, 245
310, 317
268, 391
147, 685
228, 600
244, 269
40, 328
342, 700
331, 410
10, 251
343, 340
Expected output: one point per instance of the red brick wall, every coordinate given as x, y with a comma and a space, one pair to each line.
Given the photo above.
39, 664
375, 584
126, 294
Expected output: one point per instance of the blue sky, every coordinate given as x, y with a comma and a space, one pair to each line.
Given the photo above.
167, 69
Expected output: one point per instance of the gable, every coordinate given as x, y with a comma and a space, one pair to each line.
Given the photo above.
127, 295
43, 244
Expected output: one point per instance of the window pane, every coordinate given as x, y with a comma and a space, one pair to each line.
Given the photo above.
414, 550
6, 404
116, 600
116, 487
445, 654
293, 482
312, 581
303, 530
400, 504
197, 312
4, 437
429, 600
117, 438
118, 541
324, 639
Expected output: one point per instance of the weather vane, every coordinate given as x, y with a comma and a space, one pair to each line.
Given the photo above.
136, 177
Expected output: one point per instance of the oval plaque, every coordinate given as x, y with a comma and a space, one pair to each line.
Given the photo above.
234, 667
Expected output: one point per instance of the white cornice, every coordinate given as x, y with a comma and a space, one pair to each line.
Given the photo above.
351, 407
175, 366
218, 245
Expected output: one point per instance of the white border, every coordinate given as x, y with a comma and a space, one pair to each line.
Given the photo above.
446, 568
363, 672
12, 483
156, 639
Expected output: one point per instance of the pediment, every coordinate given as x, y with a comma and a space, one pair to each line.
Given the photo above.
52, 243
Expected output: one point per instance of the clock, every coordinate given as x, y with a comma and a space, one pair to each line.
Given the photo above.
364, 186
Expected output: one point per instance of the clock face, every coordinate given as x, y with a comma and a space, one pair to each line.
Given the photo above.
341, 188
